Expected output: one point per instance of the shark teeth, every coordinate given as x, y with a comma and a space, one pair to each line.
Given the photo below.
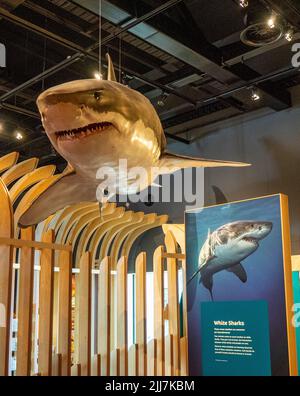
250, 240
84, 131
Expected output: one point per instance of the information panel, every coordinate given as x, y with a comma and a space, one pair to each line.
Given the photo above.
239, 289
235, 338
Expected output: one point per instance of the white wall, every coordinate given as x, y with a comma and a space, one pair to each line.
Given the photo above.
272, 144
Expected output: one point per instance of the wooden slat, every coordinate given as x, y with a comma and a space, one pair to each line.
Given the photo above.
121, 322
158, 221
183, 357
170, 369
141, 313
29, 180
19, 170
33, 194
158, 277
46, 307
115, 363
108, 234
32, 244
8, 161
133, 360
138, 220
296, 263
173, 301
84, 299
96, 366
6, 255
65, 311
25, 306
59, 365
152, 358
104, 296
176, 256
92, 227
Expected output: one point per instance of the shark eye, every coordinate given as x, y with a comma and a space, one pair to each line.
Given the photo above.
97, 95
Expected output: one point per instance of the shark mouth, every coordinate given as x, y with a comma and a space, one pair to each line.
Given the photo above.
83, 132
251, 240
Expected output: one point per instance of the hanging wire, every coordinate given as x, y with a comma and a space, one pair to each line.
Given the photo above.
120, 58
100, 37
44, 55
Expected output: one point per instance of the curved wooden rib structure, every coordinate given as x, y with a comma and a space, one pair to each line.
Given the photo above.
8, 161
6, 230
98, 243
81, 225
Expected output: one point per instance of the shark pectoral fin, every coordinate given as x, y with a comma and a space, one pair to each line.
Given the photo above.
239, 271
169, 163
207, 281
68, 190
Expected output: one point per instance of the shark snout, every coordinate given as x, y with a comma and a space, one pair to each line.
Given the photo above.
62, 116
262, 229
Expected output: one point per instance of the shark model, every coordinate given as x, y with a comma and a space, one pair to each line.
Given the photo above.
93, 124
225, 248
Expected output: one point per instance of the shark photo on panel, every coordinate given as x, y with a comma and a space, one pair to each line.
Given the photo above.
235, 275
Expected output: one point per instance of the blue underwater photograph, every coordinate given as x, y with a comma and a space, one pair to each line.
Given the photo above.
235, 254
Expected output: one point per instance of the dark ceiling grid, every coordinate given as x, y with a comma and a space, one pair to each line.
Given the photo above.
24, 110
86, 52
85, 25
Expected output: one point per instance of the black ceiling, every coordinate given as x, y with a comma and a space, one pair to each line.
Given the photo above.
185, 55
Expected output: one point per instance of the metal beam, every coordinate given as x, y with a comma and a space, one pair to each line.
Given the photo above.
19, 110
83, 53
166, 34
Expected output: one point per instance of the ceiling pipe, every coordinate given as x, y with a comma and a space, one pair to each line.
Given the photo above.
19, 110
83, 53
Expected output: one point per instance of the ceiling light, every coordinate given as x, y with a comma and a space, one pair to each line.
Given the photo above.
244, 3
19, 136
289, 35
162, 100
255, 96
98, 76
271, 22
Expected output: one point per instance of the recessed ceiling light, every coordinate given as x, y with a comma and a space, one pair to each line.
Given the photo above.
162, 100
271, 22
289, 35
255, 96
98, 76
19, 136
244, 3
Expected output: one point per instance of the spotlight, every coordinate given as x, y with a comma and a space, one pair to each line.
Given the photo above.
289, 35
19, 136
272, 22
244, 3
98, 76
255, 96
162, 100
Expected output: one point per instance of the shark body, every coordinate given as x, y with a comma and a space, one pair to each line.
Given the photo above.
93, 124
226, 247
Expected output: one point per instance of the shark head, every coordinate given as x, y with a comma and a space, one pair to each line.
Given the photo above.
245, 235
93, 123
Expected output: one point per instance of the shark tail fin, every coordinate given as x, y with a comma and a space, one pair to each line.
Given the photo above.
111, 75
